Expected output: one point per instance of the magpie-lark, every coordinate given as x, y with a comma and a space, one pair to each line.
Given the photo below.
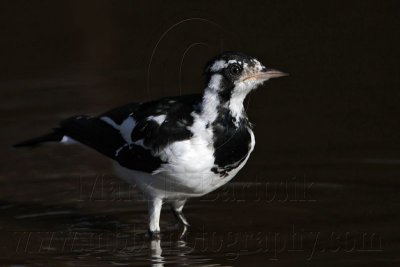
176, 147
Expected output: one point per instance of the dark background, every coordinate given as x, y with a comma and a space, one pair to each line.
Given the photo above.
334, 120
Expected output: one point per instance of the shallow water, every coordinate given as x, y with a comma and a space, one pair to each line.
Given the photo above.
99, 220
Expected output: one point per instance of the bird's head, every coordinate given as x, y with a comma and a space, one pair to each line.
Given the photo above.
234, 73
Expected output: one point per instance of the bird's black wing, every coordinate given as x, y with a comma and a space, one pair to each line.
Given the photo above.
156, 124
149, 136
132, 134
176, 116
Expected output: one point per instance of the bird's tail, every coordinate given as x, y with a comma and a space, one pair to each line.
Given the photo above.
55, 136
90, 131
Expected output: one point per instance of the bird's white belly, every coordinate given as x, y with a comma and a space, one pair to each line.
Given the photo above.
187, 173
167, 186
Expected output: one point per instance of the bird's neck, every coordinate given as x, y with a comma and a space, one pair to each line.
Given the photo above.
216, 105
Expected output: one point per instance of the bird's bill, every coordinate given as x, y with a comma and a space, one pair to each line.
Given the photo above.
271, 73
265, 75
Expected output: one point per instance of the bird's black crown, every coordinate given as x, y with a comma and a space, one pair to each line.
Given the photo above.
227, 56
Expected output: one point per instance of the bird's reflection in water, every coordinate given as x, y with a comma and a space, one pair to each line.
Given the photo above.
176, 252
156, 253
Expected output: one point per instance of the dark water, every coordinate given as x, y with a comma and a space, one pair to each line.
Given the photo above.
68, 218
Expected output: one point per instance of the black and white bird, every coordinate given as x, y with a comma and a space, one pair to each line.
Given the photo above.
178, 147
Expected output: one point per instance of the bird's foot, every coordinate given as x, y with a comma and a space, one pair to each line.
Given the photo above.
184, 231
185, 227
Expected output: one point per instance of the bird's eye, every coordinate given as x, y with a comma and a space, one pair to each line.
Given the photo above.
235, 69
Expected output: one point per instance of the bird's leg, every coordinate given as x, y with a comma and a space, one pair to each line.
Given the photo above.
177, 206
154, 210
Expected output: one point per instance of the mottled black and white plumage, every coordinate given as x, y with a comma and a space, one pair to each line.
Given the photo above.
176, 147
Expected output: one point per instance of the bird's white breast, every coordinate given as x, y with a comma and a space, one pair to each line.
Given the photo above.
187, 173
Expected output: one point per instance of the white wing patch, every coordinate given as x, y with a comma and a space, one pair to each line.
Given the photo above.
125, 128
110, 122
140, 142
128, 125
68, 140
159, 119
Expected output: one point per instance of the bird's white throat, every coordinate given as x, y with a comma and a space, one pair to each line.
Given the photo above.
212, 101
